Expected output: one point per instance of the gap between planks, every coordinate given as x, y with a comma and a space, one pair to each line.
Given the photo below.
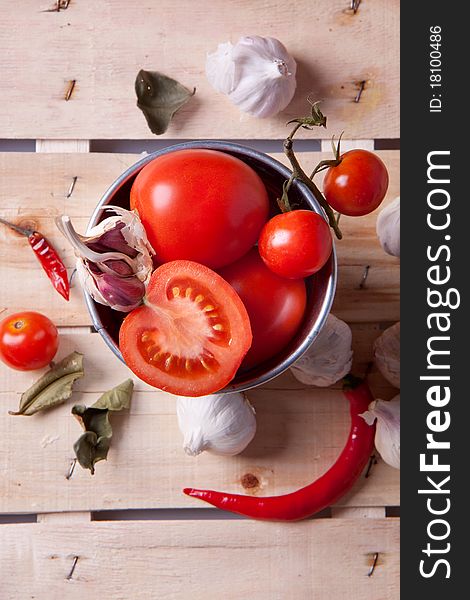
195, 514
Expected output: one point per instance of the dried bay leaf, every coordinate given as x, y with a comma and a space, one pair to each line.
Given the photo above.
53, 388
94, 444
84, 449
118, 398
159, 97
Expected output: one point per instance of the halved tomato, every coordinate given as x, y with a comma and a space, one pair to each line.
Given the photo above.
191, 334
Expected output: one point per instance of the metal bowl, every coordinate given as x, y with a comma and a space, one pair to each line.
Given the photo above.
320, 287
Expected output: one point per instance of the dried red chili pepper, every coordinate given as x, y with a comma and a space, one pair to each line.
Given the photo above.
47, 256
323, 492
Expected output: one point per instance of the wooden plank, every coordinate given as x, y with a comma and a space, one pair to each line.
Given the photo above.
89, 43
324, 558
301, 431
103, 368
61, 146
34, 192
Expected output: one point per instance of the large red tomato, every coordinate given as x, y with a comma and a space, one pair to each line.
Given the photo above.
200, 205
358, 184
275, 305
191, 334
28, 341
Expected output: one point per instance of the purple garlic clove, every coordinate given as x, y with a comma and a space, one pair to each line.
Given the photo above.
121, 293
112, 240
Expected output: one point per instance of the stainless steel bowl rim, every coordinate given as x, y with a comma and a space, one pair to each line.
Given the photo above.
276, 165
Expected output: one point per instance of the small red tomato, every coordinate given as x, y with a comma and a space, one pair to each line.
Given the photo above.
28, 341
295, 244
357, 185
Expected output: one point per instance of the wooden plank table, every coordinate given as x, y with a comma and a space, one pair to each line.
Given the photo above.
135, 534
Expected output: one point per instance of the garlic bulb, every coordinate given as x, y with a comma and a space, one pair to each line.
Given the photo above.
257, 74
387, 434
221, 423
329, 358
387, 354
388, 228
114, 262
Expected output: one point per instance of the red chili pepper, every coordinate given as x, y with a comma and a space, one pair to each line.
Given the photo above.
323, 492
47, 256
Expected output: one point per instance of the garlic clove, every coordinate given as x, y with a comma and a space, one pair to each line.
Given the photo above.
114, 260
111, 238
387, 354
329, 358
388, 228
121, 293
256, 73
387, 436
194, 442
221, 423
220, 68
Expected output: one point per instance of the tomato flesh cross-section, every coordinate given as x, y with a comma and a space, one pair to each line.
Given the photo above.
190, 335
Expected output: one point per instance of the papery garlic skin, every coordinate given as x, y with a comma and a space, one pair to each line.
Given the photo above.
114, 261
329, 358
388, 228
387, 434
221, 423
387, 354
220, 68
257, 74
134, 235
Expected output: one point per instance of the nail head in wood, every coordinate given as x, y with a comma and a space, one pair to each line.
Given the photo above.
72, 186
364, 277
361, 85
373, 565
71, 469
69, 92
372, 461
355, 5
74, 564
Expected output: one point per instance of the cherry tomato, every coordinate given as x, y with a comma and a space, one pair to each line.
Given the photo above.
357, 185
28, 341
275, 305
192, 333
295, 244
200, 205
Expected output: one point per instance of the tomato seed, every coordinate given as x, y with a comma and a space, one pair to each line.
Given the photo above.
188, 293
204, 364
176, 292
199, 298
208, 308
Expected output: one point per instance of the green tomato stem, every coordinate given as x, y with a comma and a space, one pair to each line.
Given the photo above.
299, 173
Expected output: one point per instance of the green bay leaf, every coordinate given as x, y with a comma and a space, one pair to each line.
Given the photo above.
94, 444
53, 388
159, 97
118, 398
